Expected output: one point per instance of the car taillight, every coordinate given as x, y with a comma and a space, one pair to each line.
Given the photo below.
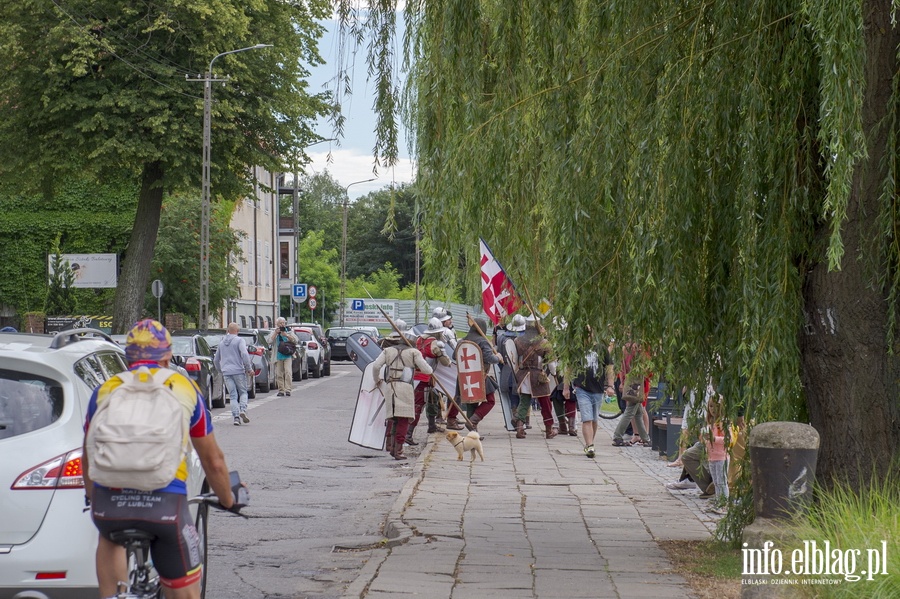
62, 472
312, 345
256, 351
192, 365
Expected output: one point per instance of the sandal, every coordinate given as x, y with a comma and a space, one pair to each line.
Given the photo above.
621, 443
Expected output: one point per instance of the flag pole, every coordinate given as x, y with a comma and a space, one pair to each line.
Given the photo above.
474, 324
530, 306
409, 343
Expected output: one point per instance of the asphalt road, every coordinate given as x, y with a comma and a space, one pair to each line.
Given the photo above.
318, 503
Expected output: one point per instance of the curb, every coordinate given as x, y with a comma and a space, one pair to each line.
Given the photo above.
396, 531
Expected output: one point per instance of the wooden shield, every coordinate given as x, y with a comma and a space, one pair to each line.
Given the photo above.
470, 365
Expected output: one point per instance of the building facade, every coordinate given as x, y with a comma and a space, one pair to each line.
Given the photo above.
256, 217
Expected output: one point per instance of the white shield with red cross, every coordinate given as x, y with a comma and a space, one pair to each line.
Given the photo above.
471, 372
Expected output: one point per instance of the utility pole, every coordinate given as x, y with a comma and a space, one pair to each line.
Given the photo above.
207, 80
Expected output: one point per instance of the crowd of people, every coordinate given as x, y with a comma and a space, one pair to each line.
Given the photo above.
529, 377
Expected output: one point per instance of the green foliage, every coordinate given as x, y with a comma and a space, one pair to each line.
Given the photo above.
81, 216
100, 86
320, 267
176, 261
851, 520
60, 297
657, 167
381, 231
321, 202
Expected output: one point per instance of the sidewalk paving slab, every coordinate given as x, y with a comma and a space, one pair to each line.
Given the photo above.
537, 519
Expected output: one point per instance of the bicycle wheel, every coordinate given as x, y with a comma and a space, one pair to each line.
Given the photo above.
610, 415
201, 524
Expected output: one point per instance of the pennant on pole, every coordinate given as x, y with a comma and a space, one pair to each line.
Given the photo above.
498, 295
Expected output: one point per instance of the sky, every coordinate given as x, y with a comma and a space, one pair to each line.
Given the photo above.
352, 159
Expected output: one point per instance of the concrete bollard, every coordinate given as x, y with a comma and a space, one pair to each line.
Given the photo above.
783, 468
783, 461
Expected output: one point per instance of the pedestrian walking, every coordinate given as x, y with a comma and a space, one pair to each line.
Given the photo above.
233, 361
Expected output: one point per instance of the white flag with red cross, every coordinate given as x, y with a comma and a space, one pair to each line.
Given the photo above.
498, 295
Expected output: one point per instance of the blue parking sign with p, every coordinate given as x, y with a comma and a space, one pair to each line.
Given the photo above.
358, 304
299, 290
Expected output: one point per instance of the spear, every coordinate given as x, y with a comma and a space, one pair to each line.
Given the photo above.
409, 343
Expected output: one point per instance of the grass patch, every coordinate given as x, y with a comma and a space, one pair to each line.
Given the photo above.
712, 568
856, 520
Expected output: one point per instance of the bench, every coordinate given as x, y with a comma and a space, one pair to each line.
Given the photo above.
664, 434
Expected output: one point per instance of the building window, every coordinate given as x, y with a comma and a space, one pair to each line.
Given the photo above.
285, 260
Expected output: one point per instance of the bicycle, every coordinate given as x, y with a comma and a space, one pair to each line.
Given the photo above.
143, 581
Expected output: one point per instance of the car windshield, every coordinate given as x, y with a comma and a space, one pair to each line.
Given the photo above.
27, 402
340, 333
304, 336
182, 346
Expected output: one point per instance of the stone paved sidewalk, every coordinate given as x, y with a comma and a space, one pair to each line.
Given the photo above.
536, 519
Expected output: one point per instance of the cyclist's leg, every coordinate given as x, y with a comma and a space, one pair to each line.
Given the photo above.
176, 550
112, 567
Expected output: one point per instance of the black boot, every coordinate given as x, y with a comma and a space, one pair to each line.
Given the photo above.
409, 437
433, 427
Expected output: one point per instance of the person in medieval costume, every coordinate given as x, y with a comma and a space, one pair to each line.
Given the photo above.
533, 348
433, 350
507, 380
394, 369
477, 411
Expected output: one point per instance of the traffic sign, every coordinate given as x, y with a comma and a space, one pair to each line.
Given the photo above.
312, 303
358, 305
157, 288
298, 292
312, 291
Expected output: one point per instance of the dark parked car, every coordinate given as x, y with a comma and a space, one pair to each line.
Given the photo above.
263, 377
192, 353
299, 365
337, 339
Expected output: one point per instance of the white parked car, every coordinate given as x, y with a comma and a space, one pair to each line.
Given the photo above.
47, 539
315, 354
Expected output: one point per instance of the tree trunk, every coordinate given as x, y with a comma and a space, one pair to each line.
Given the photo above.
129, 302
849, 376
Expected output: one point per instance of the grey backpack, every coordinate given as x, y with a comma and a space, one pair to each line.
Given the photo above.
139, 435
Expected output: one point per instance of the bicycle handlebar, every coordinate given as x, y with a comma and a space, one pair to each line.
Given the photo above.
213, 501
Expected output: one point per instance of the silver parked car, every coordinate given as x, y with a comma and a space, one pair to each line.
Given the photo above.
47, 540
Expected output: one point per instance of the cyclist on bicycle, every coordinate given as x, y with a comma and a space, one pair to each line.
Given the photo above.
163, 512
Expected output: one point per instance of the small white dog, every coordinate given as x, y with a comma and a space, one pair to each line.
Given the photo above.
471, 442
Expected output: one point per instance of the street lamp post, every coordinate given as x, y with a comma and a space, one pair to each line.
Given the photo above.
344, 247
205, 200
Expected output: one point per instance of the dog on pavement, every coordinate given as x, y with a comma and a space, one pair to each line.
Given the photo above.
471, 442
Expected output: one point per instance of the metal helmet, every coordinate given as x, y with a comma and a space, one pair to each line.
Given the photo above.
440, 313
434, 327
401, 325
518, 323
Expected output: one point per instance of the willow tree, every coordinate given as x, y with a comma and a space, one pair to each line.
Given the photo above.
103, 88
716, 179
